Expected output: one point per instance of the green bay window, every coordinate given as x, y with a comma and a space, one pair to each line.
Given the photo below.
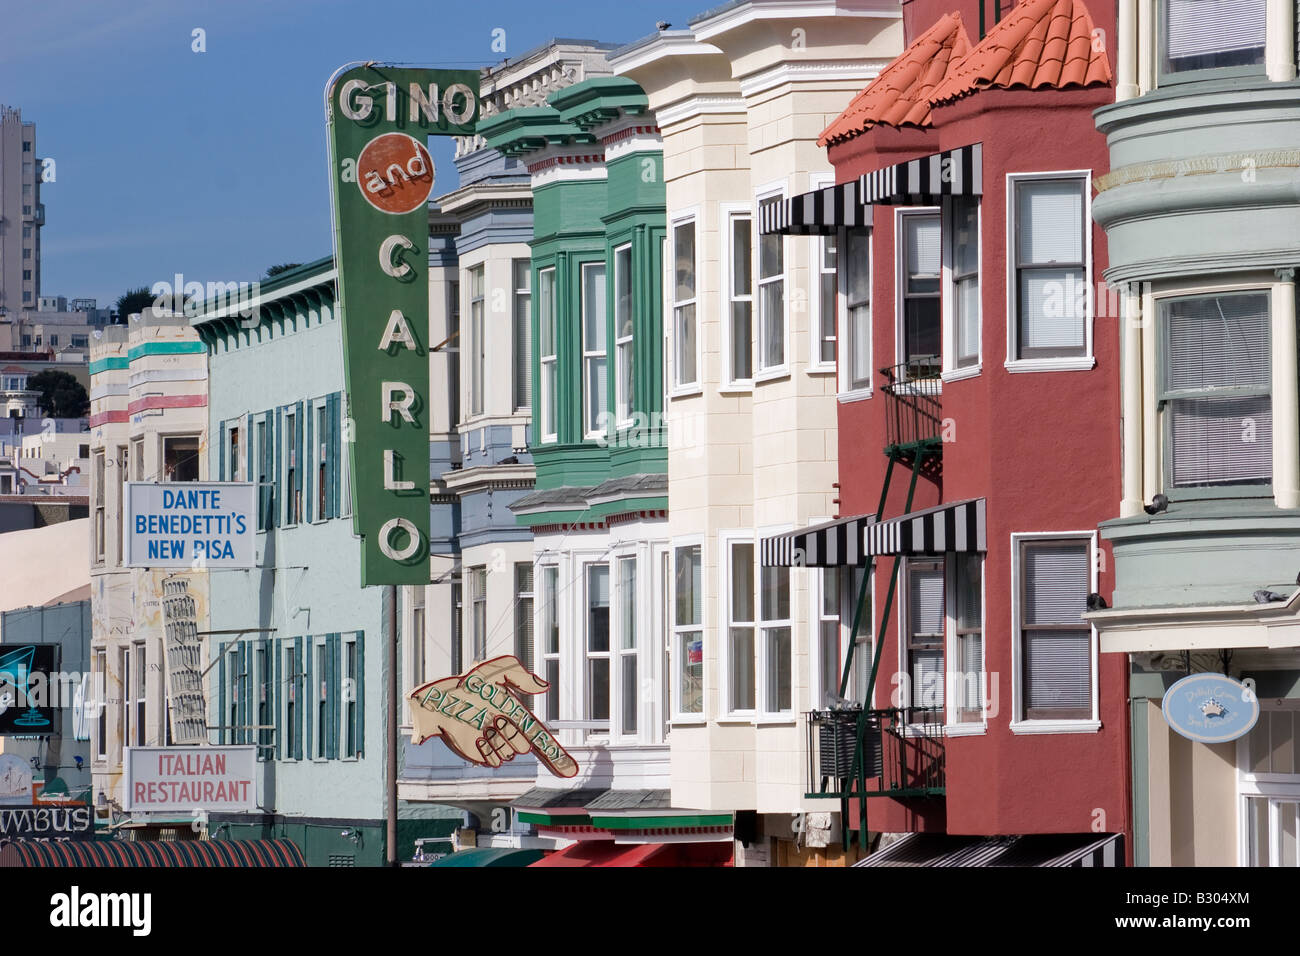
623, 336
548, 398
1215, 396
594, 350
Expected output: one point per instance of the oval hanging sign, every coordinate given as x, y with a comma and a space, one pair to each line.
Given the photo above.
1210, 708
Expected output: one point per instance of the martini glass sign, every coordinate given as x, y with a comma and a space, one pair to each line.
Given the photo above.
15, 673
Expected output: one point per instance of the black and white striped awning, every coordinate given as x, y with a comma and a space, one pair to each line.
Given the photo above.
925, 181
819, 212
1039, 849
955, 527
829, 545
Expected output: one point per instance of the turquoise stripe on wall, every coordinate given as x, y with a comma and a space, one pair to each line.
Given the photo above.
166, 348
104, 365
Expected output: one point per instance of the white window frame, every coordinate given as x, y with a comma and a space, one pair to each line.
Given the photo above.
844, 342
766, 715
521, 297
948, 289
617, 652
548, 385
1270, 786
767, 193
727, 213
817, 617
478, 644
348, 698
593, 430
624, 342
816, 269
99, 681
542, 703
677, 387
1019, 725
903, 597
676, 630
477, 378
726, 540
901, 215
952, 726
587, 655
1075, 363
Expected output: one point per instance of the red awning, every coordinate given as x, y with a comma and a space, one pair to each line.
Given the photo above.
151, 853
607, 853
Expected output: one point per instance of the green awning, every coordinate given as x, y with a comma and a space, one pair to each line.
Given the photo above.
491, 856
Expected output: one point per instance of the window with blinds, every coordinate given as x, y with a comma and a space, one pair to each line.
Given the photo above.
1215, 393
921, 234
1212, 34
925, 631
1056, 644
1051, 235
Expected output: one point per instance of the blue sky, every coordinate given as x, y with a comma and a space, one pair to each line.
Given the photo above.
213, 164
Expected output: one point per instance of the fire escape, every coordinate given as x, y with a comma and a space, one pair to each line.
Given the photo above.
856, 752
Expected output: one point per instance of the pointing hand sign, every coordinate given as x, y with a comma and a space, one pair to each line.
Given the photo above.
479, 717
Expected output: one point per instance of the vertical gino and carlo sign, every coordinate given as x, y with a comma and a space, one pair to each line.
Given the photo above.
381, 178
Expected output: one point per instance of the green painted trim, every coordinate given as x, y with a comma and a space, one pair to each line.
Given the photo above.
542, 819
167, 348
1141, 784
107, 364
659, 822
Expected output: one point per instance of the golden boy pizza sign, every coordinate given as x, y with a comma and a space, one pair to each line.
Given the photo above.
479, 717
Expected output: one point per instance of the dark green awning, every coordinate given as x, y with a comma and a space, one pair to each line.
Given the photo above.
491, 856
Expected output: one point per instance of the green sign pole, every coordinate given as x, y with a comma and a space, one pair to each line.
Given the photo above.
381, 178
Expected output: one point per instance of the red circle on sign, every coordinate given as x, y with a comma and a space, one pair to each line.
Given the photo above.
395, 173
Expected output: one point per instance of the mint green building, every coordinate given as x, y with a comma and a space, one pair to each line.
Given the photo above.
1202, 215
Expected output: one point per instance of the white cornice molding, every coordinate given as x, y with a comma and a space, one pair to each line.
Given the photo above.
733, 17
661, 48
856, 72
1135, 630
476, 193
694, 106
462, 480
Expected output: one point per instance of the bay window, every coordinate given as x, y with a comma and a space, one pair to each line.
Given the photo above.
1050, 261
688, 630
740, 626
771, 296
477, 346
623, 334
740, 314
594, 350
547, 354
856, 262
828, 299
597, 642
524, 645
478, 613
962, 288
628, 647
774, 644
522, 317
1215, 391
919, 237
685, 345
1212, 35
550, 628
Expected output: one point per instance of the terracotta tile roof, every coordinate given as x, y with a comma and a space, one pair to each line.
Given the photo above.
1039, 44
900, 95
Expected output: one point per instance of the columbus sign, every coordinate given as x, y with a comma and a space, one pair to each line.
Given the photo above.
381, 178
479, 717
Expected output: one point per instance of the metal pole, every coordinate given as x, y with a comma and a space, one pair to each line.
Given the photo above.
391, 768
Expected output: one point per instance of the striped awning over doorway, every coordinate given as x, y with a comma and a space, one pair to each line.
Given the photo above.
955, 527
925, 181
830, 545
820, 212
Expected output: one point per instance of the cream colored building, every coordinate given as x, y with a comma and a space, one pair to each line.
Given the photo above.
741, 97
148, 421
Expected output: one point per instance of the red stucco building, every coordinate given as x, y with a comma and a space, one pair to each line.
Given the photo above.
979, 442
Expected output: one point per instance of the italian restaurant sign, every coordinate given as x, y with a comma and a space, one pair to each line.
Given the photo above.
185, 779
478, 716
381, 178
191, 524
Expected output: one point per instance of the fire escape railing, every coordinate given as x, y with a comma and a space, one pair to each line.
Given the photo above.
899, 749
913, 412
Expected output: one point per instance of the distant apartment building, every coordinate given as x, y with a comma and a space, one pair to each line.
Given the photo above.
21, 213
